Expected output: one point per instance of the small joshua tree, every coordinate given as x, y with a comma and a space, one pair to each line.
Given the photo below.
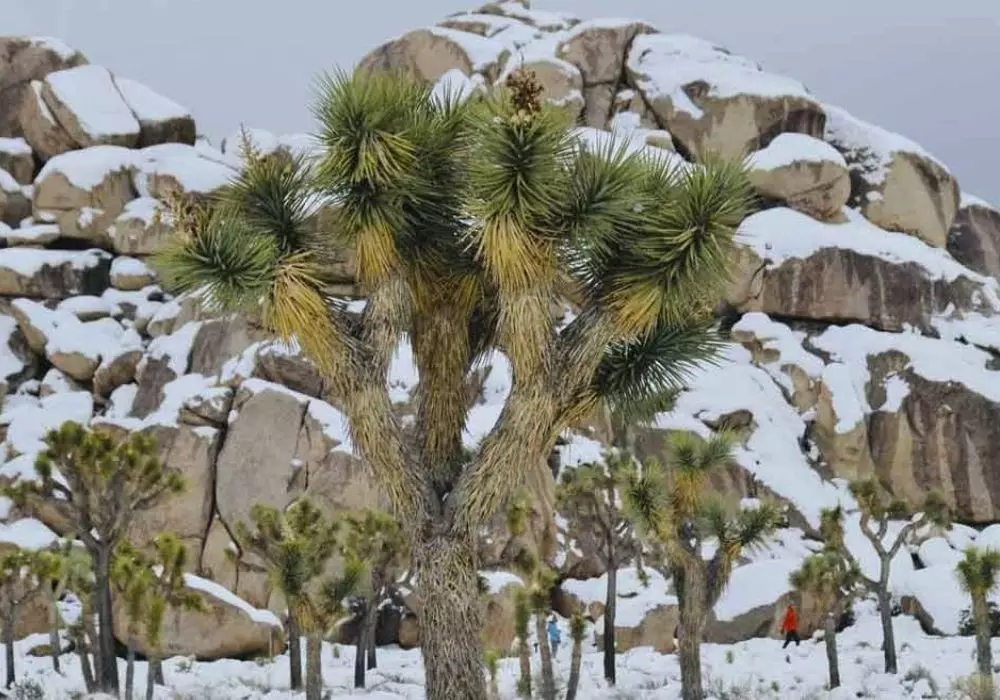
131, 577
587, 497
79, 572
167, 591
832, 580
978, 573
375, 538
677, 517
98, 485
578, 628
295, 546
17, 583
878, 510
56, 568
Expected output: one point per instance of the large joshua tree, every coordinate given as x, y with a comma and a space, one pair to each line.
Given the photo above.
679, 518
978, 574
468, 221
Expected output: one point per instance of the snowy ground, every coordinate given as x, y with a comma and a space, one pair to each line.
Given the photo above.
755, 669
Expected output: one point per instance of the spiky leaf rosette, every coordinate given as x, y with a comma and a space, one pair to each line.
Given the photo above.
979, 570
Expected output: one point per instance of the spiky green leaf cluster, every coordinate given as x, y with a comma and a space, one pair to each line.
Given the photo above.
979, 571
492, 209
97, 482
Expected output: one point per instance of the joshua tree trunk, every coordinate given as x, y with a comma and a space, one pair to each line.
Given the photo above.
545, 653
8, 639
107, 666
449, 616
294, 652
984, 655
830, 637
361, 649
154, 674
79, 638
314, 666
53, 613
610, 605
888, 635
129, 672
372, 627
690, 586
524, 658
89, 638
574, 669
156, 664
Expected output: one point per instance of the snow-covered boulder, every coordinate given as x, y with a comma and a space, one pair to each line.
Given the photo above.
599, 47
15, 205
974, 239
52, 274
87, 104
805, 173
896, 184
22, 60
429, 53
713, 101
796, 266
229, 628
130, 274
85, 191
161, 120
141, 229
174, 168
41, 129
17, 159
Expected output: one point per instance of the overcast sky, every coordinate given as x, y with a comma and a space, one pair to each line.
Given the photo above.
929, 69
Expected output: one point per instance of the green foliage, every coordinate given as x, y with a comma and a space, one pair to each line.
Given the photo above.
828, 577
491, 660
587, 496
335, 590
97, 483
522, 614
17, 578
295, 547
979, 570
879, 505
376, 539
577, 626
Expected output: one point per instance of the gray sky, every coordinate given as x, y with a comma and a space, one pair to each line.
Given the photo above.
925, 68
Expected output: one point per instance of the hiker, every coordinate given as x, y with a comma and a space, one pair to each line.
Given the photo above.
555, 636
790, 626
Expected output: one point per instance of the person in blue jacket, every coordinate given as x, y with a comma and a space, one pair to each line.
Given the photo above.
555, 636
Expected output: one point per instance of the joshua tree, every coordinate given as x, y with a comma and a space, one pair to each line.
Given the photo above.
832, 580
131, 577
375, 538
540, 596
522, 618
978, 573
878, 510
677, 516
578, 627
467, 222
167, 591
79, 572
56, 568
17, 583
295, 547
98, 485
588, 498
330, 609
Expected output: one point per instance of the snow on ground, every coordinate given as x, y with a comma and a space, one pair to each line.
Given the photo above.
758, 668
772, 453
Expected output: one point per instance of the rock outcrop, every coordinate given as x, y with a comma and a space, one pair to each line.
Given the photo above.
863, 313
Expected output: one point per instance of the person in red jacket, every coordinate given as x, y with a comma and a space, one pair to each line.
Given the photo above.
790, 626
